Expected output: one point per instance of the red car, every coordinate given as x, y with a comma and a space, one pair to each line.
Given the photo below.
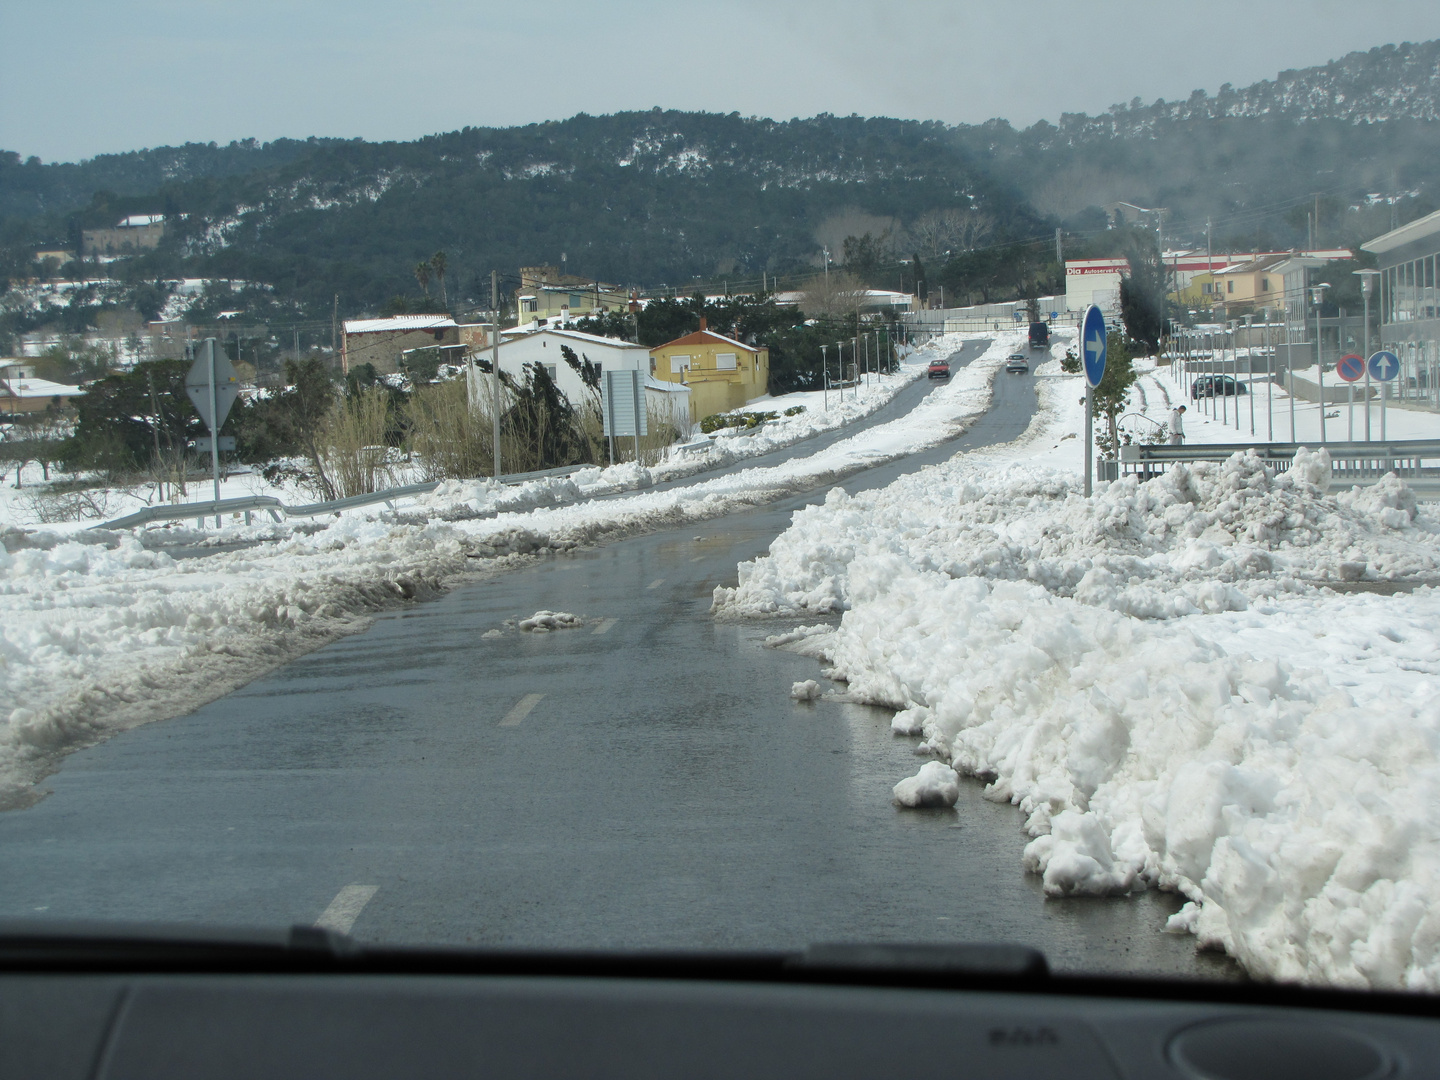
939, 369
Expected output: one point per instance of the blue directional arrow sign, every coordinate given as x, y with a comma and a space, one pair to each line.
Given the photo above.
1384, 366
1092, 345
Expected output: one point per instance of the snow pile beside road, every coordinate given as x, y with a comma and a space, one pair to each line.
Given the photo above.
1207, 537
936, 784
1152, 676
1296, 813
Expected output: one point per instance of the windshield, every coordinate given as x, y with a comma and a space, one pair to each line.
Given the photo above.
449, 501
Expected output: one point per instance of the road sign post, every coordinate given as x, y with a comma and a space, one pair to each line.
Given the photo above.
1092, 352
1383, 366
212, 385
1350, 368
622, 406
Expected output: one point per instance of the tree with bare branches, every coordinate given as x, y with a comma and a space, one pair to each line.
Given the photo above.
839, 296
951, 230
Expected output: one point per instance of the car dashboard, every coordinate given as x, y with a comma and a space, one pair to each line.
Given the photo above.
320, 1007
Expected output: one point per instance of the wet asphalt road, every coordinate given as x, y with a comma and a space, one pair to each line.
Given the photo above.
642, 781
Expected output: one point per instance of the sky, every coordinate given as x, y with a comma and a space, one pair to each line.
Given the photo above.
85, 77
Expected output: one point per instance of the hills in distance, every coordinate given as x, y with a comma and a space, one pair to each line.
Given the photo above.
646, 198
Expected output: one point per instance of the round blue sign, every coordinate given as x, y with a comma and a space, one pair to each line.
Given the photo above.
1384, 366
1092, 344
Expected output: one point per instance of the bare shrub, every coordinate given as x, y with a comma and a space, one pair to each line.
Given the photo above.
353, 457
452, 440
50, 506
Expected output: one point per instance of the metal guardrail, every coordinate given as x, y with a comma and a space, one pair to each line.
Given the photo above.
248, 504
1350, 462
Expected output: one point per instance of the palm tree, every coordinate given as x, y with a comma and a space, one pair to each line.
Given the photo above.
437, 264
422, 275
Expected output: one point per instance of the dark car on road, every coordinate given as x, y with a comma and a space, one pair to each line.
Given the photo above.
1018, 363
1217, 386
939, 369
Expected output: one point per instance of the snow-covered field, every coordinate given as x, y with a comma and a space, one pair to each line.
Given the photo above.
101, 630
1160, 677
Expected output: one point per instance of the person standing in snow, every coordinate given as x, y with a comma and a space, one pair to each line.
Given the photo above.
1177, 425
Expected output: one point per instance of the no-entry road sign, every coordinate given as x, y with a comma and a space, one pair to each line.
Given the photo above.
1092, 345
1350, 368
1384, 366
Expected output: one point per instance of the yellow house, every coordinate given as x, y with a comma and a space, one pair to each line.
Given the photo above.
722, 373
1249, 286
1199, 293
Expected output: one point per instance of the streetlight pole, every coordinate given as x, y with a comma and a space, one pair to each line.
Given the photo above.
1225, 398
1367, 288
1269, 380
1317, 296
1290, 363
824, 379
1249, 376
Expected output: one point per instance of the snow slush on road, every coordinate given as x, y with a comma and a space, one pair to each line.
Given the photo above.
1192, 683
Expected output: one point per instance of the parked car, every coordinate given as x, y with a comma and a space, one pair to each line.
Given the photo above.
1217, 386
1018, 363
939, 369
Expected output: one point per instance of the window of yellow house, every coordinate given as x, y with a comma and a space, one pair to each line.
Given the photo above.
725, 361
1264, 284
678, 364
1229, 286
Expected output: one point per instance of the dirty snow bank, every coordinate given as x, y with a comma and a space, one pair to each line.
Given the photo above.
1154, 678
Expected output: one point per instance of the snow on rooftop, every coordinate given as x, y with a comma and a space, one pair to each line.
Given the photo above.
138, 221
398, 322
37, 388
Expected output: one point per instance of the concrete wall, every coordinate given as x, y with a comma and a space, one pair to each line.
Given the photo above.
121, 241
1304, 384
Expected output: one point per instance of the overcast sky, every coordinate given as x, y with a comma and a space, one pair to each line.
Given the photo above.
83, 77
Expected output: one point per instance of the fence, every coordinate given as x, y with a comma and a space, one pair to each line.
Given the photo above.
1351, 463
249, 504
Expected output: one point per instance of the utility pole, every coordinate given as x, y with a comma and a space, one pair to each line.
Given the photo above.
335, 328
1318, 294
1367, 287
495, 364
1059, 249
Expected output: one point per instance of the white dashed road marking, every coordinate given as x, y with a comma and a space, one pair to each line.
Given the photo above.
340, 916
521, 710
656, 583
605, 625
